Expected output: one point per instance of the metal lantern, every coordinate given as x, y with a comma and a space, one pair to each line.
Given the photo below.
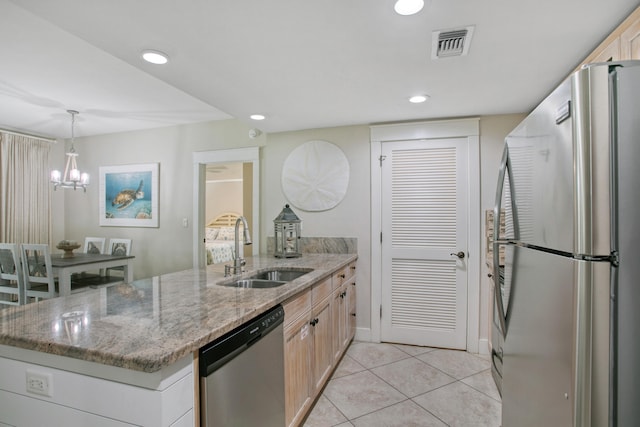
287, 232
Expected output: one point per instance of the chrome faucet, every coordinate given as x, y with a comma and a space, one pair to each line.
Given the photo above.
238, 262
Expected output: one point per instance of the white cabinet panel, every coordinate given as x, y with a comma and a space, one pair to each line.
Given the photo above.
17, 410
77, 398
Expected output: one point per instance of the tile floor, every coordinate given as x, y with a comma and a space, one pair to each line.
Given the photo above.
398, 385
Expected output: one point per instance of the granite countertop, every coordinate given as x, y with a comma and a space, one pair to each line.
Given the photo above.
151, 323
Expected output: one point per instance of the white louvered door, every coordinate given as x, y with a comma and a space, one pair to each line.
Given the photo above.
424, 222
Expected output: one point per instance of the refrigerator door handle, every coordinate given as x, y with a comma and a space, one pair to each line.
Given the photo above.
498, 290
505, 171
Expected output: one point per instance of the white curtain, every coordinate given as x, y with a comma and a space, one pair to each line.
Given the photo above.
25, 194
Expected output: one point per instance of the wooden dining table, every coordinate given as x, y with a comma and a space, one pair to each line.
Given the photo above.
63, 268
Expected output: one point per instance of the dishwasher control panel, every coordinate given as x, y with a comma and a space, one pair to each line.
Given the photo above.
275, 317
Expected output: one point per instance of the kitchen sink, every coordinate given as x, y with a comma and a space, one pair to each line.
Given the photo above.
256, 283
281, 274
269, 278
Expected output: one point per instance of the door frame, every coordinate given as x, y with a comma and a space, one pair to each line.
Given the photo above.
458, 128
200, 161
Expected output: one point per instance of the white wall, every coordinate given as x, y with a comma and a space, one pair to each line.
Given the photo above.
223, 197
350, 218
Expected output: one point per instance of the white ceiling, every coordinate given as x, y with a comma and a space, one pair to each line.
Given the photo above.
304, 64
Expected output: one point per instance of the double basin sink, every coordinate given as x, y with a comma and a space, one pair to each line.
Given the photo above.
269, 278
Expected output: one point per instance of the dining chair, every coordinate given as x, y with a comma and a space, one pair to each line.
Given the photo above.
39, 281
118, 247
11, 282
94, 245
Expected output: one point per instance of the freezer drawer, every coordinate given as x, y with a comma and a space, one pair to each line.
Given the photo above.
556, 350
537, 383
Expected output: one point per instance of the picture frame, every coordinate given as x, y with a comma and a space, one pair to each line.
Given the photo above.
129, 195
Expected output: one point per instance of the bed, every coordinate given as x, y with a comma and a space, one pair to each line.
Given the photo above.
219, 238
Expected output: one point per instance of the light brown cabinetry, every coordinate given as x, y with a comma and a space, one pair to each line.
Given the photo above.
321, 323
297, 353
623, 43
344, 303
351, 313
314, 341
605, 53
339, 308
630, 39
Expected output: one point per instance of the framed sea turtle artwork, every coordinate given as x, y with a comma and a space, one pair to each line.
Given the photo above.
129, 195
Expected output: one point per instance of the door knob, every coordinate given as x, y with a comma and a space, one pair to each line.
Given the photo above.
460, 254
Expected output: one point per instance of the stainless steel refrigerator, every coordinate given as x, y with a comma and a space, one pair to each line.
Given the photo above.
568, 290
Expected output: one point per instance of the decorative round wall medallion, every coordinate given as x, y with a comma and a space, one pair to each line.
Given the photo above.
315, 176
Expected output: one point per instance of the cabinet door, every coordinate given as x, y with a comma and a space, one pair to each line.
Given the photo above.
344, 316
297, 365
322, 343
340, 311
351, 312
343, 311
351, 305
336, 319
630, 41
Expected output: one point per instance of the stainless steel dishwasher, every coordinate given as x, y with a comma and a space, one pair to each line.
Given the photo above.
242, 375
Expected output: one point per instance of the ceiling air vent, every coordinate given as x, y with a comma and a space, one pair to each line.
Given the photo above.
451, 42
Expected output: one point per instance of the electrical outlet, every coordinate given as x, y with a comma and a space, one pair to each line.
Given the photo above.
40, 383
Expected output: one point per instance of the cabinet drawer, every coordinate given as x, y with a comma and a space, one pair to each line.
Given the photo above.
296, 306
343, 275
351, 270
340, 276
321, 291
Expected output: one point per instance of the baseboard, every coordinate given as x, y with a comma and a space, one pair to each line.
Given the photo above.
363, 334
483, 346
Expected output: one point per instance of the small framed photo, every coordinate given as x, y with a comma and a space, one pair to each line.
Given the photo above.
129, 195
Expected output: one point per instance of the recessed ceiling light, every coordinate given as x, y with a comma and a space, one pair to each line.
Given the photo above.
408, 7
417, 99
155, 57
257, 117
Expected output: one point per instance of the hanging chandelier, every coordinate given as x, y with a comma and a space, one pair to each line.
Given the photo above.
72, 177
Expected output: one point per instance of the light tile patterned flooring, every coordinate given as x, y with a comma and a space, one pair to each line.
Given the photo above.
398, 385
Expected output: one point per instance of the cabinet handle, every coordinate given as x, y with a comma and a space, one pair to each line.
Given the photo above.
353, 267
353, 283
353, 314
342, 276
342, 294
314, 322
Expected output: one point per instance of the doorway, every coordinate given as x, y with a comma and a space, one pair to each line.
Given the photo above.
246, 159
441, 135
228, 192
